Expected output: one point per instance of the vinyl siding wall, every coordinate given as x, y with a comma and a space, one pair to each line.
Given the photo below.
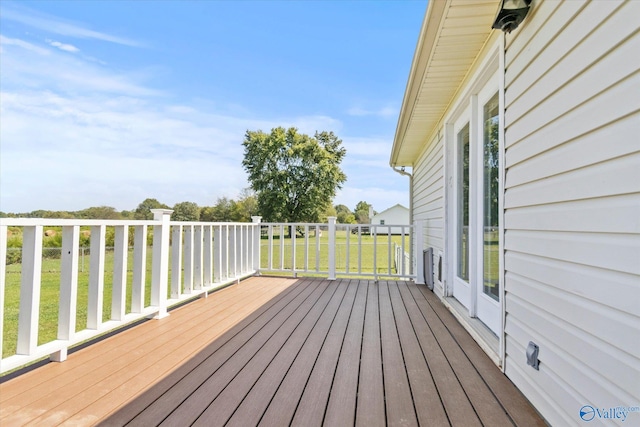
428, 199
572, 207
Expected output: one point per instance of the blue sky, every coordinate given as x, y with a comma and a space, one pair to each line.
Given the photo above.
112, 102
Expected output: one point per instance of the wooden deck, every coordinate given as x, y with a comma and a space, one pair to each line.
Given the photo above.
274, 352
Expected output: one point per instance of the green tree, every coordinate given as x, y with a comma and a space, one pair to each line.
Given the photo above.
362, 212
99, 212
185, 211
295, 176
344, 214
143, 211
247, 205
329, 210
224, 210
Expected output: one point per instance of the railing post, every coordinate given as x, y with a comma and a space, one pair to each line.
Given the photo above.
160, 263
418, 242
332, 247
256, 243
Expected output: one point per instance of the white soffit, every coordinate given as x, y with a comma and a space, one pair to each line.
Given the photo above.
452, 35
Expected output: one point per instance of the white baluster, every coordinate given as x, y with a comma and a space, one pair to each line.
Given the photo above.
120, 255
139, 269
68, 287
176, 261
30, 289
332, 247
208, 255
197, 258
96, 277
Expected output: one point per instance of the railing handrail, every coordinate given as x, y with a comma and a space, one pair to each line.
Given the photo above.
189, 259
238, 263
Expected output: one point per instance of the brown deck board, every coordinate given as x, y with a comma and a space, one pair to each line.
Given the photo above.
479, 395
513, 402
252, 388
341, 407
92, 372
114, 375
398, 399
276, 351
85, 361
217, 399
454, 399
429, 409
293, 363
327, 339
370, 410
243, 347
315, 396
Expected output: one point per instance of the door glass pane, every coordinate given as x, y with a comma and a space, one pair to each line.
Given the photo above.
463, 204
491, 187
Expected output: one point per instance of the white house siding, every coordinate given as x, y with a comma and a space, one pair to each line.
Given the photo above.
395, 215
428, 199
572, 207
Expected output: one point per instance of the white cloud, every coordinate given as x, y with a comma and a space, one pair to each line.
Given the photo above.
26, 65
63, 46
75, 133
94, 150
8, 41
54, 25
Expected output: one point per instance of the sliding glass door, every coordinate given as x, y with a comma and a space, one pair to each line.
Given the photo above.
475, 189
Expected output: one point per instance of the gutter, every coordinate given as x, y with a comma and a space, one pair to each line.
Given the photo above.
402, 171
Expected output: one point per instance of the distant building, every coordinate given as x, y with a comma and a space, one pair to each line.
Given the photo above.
395, 215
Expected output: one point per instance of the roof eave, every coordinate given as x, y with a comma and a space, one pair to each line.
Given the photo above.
426, 42
452, 36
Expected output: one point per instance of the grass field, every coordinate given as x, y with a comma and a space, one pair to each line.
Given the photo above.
50, 297
307, 250
50, 284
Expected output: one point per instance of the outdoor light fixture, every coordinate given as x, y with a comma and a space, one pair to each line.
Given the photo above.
511, 14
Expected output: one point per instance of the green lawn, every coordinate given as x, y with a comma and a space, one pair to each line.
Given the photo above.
50, 295
342, 243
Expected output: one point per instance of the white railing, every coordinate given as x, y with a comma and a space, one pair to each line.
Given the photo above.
48, 306
363, 250
121, 286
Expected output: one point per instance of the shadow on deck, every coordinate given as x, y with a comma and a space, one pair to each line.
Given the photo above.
279, 351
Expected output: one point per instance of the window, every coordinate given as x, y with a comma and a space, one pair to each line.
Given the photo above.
463, 203
491, 222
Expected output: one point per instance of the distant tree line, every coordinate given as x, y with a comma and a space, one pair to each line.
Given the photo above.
224, 210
